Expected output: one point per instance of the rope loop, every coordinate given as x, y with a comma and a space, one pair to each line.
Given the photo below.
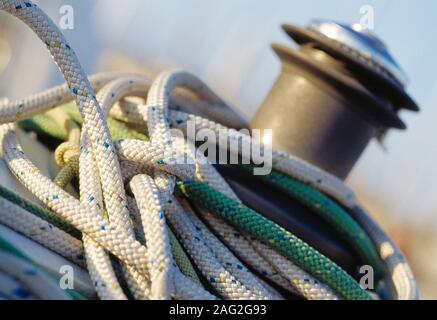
127, 210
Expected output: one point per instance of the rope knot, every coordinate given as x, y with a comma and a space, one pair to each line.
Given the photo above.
65, 152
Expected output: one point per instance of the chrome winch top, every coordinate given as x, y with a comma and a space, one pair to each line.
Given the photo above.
363, 42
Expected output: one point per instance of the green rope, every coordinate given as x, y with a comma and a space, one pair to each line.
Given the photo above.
68, 172
10, 248
182, 259
118, 129
38, 211
276, 237
328, 210
46, 124
73, 112
179, 255
246, 219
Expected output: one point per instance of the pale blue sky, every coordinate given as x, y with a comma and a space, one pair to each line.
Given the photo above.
227, 42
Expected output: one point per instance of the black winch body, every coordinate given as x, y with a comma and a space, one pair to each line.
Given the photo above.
328, 102
331, 99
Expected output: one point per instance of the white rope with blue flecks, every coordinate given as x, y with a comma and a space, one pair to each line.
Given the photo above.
127, 249
116, 234
41, 231
12, 289
31, 277
402, 277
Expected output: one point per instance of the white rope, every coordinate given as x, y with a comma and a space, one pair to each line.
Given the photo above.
156, 234
48, 260
12, 289
41, 231
150, 169
38, 282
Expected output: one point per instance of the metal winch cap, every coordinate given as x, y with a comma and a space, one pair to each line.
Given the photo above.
364, 43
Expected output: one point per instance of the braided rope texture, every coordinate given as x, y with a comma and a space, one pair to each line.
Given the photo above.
108, 220
329, 211
261, 228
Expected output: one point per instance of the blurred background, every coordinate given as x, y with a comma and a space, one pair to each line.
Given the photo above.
227, 43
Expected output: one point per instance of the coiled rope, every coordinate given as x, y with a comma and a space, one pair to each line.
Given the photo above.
220, 247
